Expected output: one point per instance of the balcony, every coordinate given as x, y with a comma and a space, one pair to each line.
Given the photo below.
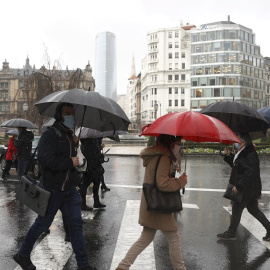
153, 40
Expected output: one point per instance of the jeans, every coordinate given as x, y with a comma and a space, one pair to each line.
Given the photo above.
22, 167
147, 236
69, 202
253, 209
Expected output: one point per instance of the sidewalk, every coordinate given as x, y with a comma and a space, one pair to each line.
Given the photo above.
124, 150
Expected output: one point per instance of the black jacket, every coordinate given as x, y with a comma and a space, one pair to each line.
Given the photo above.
24, 145
55, 149
245, 174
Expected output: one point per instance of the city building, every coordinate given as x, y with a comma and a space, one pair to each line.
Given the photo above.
105, 65
21, 88
134, 99
267, 80
226, 64
165, 75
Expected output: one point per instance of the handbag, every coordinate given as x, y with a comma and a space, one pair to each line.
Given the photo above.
229, 194
82, 161
33, 196
161, 202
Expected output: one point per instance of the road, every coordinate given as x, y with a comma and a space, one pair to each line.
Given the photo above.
110, 232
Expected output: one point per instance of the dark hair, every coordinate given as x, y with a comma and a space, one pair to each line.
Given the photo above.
246, 138
166, 140
59, 109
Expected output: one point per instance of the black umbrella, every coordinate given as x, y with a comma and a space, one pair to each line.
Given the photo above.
19, 122
92, 110
265, 112
238, 117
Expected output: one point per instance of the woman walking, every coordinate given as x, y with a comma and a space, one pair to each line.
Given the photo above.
152, 221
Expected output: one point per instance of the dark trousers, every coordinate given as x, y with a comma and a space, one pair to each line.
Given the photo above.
253, 209
7, 167
23, 165
69, 202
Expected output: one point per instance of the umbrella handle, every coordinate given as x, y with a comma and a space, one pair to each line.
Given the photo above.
186, 158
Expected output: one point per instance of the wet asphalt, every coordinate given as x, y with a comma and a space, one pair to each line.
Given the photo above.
207, 178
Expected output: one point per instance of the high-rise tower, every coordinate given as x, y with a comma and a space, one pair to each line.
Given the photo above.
105, 69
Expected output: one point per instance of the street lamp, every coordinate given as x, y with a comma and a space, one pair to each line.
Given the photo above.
155, 108
25, 108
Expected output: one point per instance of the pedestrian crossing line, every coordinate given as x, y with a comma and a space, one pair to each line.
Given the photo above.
253, 226
129, 232
53, 252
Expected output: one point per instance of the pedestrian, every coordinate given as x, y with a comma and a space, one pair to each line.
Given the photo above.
152, 221
92, 152
245, 176
57, 158
11, 156
24, 145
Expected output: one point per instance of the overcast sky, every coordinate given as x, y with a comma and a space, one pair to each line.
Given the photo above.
68, 28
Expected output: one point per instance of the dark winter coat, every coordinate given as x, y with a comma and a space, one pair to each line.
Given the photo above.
24, 145
55, 149
245, 174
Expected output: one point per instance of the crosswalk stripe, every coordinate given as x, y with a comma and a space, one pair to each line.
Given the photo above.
253, 226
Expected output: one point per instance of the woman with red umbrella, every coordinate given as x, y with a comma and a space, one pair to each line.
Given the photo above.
153, 221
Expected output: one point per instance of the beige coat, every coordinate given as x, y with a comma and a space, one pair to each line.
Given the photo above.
159, 221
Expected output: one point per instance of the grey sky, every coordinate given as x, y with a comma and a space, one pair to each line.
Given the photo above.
68, 28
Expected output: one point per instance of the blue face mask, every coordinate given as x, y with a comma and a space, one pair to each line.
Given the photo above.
69, 121
236, 145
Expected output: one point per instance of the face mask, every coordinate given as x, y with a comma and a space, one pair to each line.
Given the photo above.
176, 149
236, 145
69, 121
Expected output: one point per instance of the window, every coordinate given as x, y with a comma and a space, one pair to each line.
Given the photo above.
217, 46
183, 55
198, 92
170, 90
170, 45
182, 90
176, 44
170, 66
170, 35
176, 65
170, 103
176, 77
212, 81
216, 92
170, 77
182, 102
176, 103
183, 77
176, 90
177, 55
183, 65
170, 55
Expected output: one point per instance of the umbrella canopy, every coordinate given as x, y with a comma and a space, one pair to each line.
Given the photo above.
12, 132
19, 122
91, 133
96, 111
192, 126
265, 112
238, 117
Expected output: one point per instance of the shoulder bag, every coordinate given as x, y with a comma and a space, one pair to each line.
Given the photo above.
32, 195
229, 194
162, 202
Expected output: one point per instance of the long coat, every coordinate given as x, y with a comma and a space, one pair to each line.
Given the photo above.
159, 221
24, 145
245, 174
11, 149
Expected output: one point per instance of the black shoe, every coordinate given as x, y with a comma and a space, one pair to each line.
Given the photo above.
99, 205
86, 208
266, 237
226, 236
25, 263
105, 188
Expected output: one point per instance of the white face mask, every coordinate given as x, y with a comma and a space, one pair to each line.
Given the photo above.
176, 148
69, 121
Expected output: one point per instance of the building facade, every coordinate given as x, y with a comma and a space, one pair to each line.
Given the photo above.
165, 75
28, 84
226, 64
105, 66
267, 80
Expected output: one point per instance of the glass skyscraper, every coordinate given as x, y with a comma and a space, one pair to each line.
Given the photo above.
226, 64
105, 66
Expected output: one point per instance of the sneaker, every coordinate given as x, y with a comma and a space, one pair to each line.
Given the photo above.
266, 237
226, 236
25, 263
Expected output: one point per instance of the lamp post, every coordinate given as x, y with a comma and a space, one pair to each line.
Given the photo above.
155, 108
25, 108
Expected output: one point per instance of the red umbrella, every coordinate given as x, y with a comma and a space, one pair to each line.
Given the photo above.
192, 126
